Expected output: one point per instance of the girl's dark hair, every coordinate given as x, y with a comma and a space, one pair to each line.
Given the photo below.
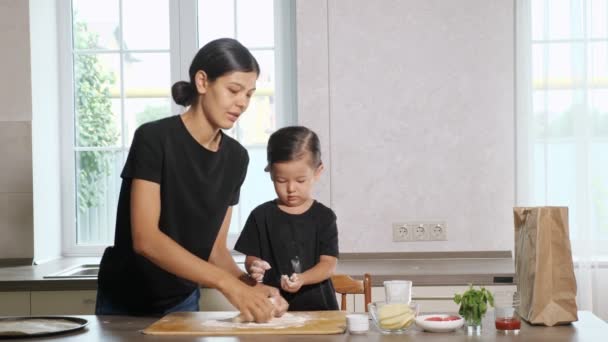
292, 143
216, 58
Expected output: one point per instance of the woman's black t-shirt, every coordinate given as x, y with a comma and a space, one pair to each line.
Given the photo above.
279, 237
196, 187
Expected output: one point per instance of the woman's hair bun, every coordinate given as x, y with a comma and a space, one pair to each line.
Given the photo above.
183, 93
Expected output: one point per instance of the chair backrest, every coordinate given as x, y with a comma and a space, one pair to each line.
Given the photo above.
345, 285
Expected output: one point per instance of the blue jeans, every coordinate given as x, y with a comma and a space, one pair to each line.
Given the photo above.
104, 306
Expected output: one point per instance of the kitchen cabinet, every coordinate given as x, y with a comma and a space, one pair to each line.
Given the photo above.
63, 302
15, 303
429, 298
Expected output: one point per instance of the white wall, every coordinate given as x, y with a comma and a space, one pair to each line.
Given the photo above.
313, 81
29, 117
414, 104
16, 224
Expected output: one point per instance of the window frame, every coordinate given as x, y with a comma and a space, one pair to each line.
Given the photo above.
183, 46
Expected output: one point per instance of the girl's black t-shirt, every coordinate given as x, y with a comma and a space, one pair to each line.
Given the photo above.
283, 239
196, 187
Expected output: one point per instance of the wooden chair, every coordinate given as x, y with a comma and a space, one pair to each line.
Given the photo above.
345, 285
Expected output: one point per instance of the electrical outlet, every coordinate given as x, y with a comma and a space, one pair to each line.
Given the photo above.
414, 231
437, 231
402, 232
420, 232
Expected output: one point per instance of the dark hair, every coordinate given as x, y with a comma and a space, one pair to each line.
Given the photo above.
292, 143
216, 58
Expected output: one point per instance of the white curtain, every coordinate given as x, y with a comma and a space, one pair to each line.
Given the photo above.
562, 124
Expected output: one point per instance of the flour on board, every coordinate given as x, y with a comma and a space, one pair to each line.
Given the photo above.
285, 321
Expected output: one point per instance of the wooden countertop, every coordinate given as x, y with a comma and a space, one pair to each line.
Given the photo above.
123, 328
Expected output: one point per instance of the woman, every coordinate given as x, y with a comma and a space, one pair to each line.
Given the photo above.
180, 181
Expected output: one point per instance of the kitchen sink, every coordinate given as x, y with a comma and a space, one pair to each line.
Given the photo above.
80, 271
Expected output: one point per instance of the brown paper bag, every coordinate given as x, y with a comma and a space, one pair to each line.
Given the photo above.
544, 271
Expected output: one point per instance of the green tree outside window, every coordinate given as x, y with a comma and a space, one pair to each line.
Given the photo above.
94, 118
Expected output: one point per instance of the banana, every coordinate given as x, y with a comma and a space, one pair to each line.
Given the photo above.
395, 316
404, 322
394, 320
397, 322
393, 309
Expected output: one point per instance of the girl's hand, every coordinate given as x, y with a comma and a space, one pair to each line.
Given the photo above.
258, 268
291, 284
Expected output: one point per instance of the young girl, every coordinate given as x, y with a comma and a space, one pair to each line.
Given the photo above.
180, 181
292, 242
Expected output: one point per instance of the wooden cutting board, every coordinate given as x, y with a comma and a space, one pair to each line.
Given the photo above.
220, 323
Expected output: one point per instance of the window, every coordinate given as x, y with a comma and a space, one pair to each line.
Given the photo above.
562, 95
121, 67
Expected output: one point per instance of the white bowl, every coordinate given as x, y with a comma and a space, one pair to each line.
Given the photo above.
439, 326
357, 323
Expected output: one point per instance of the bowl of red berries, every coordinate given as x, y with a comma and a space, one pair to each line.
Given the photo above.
439, 322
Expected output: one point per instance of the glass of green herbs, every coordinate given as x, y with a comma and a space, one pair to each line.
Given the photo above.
473, 305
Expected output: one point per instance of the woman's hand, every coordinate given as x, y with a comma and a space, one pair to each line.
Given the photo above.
291, 284
280, 304
256, 268
254, 304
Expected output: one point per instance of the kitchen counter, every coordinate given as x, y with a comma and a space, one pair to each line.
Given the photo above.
430, 268
31, 278
123, 328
